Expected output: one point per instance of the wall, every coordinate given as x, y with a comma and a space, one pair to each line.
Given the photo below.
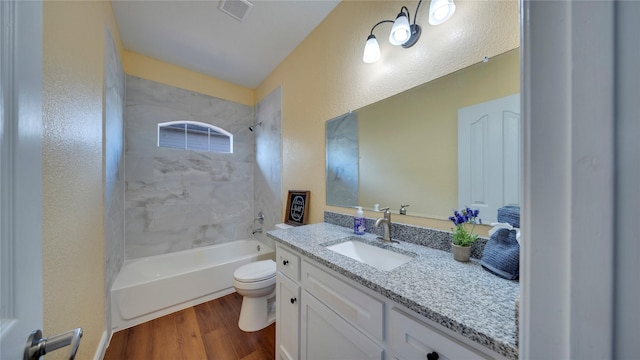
268, 164
73, 157
180, 199
151, 69
325, 77
113, 170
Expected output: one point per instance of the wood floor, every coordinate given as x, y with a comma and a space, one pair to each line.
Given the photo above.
207, 331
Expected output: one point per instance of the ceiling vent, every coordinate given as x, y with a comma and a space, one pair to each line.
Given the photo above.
237, 9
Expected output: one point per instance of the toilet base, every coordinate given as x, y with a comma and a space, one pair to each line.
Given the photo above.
256, 314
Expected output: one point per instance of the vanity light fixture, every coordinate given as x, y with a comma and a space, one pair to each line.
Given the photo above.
406, 34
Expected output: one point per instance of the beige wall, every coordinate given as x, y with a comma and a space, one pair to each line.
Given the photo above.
73, 205
151, 69
325, 77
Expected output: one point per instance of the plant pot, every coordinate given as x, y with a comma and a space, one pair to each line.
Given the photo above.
461, 253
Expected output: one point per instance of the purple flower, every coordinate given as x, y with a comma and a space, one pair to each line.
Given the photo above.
463, 236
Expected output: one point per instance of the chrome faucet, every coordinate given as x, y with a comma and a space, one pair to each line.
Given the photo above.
386, 223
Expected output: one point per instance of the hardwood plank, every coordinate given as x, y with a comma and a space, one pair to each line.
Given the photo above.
138, 341
118, 346
205, 315
219, 345
164, 338
227, 310
259, 354
267, 341
190, 342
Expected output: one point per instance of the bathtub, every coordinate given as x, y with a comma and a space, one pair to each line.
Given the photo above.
155, 286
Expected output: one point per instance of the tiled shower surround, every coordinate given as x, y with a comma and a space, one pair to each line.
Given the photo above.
180, 199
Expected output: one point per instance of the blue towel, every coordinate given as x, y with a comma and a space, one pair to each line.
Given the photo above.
510, 215
501, 254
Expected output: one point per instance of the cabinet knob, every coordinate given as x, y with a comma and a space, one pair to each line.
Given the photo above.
433, 356
293, 300
285, 262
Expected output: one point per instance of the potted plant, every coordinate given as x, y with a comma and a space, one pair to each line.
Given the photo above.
462, 236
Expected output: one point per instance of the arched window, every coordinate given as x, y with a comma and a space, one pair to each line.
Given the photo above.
193, 135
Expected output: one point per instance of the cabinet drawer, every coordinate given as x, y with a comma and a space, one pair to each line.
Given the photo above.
352, 304
288, 263
413, 339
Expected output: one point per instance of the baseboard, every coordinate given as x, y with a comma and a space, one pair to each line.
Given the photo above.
102, 347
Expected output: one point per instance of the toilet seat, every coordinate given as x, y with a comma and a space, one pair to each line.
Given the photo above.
255, 272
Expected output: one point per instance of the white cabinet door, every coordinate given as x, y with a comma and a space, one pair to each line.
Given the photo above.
287, 318
327, 336
489, 156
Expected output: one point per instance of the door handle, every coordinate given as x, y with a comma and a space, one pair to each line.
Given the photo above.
37, 346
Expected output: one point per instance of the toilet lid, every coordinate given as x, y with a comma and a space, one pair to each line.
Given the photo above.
255, 271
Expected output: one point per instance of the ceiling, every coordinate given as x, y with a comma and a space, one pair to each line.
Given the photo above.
198, 36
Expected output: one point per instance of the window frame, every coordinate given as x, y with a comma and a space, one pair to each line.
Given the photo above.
210, 128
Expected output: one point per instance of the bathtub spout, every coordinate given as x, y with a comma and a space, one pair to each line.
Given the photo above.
257, 231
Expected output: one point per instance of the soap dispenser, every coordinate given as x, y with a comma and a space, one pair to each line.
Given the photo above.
359, 222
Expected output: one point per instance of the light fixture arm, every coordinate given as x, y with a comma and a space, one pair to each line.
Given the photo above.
415, 15
406, 10
381, 22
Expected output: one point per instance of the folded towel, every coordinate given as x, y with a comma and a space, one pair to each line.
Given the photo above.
501, 254
510, 215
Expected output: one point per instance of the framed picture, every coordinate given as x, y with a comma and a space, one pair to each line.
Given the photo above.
297, 207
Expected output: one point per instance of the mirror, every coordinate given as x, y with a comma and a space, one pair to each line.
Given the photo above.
404, 149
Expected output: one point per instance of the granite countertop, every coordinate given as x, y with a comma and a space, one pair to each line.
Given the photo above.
462, 297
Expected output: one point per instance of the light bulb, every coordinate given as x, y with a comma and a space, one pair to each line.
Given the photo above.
440, 11
400, 32
371, 50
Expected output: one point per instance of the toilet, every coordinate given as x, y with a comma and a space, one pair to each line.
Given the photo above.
256, 282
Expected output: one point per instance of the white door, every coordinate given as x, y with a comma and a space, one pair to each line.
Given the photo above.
20, 175
489, 156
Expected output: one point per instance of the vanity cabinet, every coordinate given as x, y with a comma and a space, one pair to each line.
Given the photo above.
325, 315
287, 305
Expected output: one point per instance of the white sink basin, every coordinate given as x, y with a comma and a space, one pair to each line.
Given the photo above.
379, 258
